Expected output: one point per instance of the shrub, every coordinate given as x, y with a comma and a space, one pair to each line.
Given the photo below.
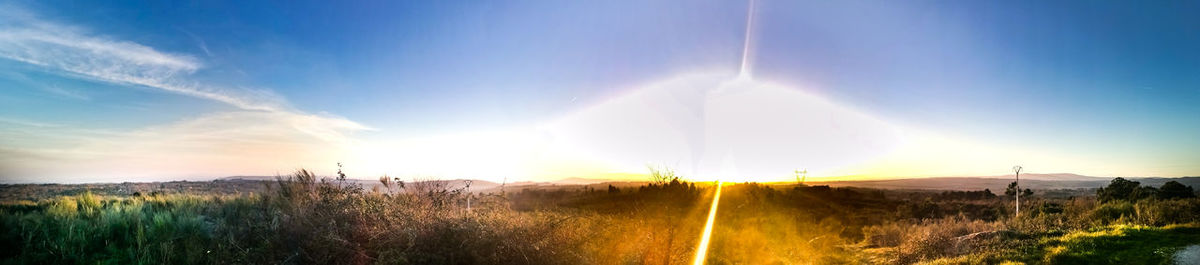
931, 239
1175, 190
1123, 189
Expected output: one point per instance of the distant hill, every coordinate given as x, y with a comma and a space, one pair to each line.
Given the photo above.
998, 184
483, 186
1052, 176
1055, 181
476, 185
252, 184
581, 181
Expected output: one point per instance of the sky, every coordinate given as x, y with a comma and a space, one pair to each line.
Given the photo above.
119, 91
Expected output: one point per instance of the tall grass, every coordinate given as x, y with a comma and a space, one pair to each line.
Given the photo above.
90, 229
305, 219
1074, 231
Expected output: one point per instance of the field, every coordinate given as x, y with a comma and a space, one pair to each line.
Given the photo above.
307, 219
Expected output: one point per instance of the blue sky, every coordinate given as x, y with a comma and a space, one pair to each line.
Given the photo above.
112, 88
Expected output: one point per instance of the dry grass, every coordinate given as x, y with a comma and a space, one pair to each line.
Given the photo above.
305, 219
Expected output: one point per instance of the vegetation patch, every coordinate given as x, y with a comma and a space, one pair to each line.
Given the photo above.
1121, 244
306, 219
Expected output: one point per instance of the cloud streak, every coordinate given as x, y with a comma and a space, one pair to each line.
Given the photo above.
77, 52
71, 50
264, 122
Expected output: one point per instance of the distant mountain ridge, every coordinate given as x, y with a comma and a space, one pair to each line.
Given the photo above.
1080, 184
1037, 181
1050, 176
368, 183
998, 184
582, 181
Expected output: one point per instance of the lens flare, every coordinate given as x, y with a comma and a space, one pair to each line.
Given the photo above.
702, 249
744, 71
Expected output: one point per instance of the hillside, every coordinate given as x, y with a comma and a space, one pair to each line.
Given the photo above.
1036, 182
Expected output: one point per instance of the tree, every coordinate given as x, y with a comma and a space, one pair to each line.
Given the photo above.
612, 189
1123, 189
662, 175
1175, 190
1012, 190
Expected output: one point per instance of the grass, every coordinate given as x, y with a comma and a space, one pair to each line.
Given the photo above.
303, 219
91, 229
1114, 244
1121, 244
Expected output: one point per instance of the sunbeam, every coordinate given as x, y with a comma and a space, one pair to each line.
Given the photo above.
702, 248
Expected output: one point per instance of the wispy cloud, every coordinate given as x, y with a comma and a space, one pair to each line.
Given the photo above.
55, 89
200, 43
51, 88
74, 51
265, 122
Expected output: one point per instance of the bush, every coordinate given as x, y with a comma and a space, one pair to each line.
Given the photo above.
931, 239
1175, 190
1126, 190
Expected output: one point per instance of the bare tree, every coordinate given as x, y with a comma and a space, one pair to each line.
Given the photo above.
661, 175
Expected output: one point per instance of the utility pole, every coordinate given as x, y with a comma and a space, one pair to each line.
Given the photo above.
468, 196
502, 184
801, 176
1017, 172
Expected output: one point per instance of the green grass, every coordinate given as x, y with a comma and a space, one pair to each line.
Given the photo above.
88, 229
1121, 244
1115, 244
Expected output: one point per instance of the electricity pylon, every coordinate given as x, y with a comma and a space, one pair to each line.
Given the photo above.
1017, 172
801, 176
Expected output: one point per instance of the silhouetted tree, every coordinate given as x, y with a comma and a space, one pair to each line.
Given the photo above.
341, 176
1123, 189
965, 195
1174, 190
1011, 190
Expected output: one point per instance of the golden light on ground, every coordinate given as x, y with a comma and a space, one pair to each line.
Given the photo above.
702, 248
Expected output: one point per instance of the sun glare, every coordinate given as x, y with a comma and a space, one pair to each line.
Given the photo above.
702, 248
